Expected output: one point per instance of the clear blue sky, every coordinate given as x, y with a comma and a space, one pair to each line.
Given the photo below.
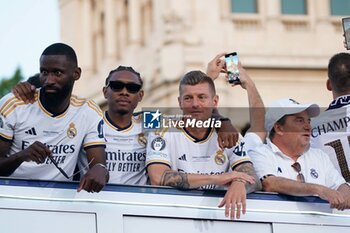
27, 27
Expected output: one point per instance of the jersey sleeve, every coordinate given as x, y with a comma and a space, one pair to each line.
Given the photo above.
238, 154
94, 135
7, 116
263, 162
158, 149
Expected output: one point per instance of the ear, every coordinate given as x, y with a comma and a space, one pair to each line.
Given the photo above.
329, 85
216, 100
179, 101
141, 94
278, 129
104, 90
77, 73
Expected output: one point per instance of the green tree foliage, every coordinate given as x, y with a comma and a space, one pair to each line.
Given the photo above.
7, 84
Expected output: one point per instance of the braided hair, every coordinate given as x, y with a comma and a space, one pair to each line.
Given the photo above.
124, 68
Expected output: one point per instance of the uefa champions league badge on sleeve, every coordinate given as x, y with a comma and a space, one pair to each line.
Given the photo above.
100, 129
158, 144
152, 119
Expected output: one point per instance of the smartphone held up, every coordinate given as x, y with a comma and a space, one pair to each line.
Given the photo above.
346, 28
231, 60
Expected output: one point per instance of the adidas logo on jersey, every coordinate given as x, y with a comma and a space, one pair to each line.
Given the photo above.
183, 157
31, 131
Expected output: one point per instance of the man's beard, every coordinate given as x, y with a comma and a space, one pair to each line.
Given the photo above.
122, 112
58, 96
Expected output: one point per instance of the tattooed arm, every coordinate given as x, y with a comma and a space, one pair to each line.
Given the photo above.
161, 174
249, 169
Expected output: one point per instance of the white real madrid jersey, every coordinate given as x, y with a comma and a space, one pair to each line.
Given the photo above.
181, 152
331, 133
126, 152
23, 124
315, 165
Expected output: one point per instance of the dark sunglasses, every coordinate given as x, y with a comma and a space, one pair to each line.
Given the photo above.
130, 87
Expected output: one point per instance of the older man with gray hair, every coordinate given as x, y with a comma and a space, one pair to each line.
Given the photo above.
287, 164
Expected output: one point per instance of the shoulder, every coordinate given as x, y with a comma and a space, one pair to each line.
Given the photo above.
261, 150
137, 118
87, 105
316, 153
9, 103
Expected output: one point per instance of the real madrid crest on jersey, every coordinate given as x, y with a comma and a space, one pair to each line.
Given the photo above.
71, 131
313, 173
141, 139
220, 157
158, 144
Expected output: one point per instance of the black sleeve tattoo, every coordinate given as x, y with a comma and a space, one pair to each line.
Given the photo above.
175, 179
249, 169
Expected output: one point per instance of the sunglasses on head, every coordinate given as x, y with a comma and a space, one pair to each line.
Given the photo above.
118, 86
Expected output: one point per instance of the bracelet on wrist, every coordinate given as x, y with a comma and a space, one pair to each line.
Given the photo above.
102, 165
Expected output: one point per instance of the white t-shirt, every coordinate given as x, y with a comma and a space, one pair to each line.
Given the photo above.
315, 165
181, 152
126, 152
23, 124
331, 133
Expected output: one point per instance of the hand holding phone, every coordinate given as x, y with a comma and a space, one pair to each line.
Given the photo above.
346, 28
231, 60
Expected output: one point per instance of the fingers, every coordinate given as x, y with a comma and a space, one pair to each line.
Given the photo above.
24, 91
37, 152
244, 207
217, 57
221, 141
238, 211
227, 139
243, 176
94, 180
229, 207
224, 142
81, 184
231, 140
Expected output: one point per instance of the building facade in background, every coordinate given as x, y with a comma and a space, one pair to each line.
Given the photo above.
284, 44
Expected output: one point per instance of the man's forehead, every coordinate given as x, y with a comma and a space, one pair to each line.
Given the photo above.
200, 88
53, 60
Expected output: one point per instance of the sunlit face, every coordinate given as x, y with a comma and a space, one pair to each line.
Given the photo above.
297, 129
198, 101
122, 101
57, 75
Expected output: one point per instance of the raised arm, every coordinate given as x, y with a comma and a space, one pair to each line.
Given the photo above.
256, 105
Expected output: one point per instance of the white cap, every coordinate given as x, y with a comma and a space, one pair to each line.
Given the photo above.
282, 107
